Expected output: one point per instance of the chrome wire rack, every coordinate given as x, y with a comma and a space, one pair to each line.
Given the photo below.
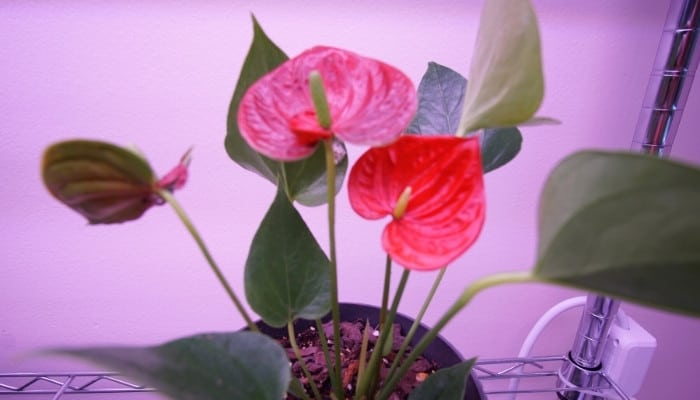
530, 378
507, 378
59, 384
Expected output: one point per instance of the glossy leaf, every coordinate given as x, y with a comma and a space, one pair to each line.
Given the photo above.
240, 365
446, 207
103, 182
445, 384
370, 102
507, 84
440, 100
499, 146
306, 179
287, 275
263, 56
627, 225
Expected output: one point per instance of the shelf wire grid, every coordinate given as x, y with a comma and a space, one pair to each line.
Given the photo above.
59, 384
537, 376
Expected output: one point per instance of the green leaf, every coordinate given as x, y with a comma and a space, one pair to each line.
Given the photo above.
263, 56
287, 274
499, 146
445, 384
507, 85
103, 182
440, 99
306, 180
623, 224
240, 365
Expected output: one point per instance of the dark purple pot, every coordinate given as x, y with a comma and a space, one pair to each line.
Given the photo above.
439, 350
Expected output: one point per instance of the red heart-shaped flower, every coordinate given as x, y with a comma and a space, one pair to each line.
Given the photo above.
445, 211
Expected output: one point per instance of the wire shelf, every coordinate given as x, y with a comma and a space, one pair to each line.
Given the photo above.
59, 384
535, 375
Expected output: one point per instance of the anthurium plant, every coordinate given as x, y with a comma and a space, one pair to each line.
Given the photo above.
622, 224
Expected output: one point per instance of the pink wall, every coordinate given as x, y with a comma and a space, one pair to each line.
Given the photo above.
160, 76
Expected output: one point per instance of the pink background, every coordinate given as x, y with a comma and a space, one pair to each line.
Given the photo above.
159, 75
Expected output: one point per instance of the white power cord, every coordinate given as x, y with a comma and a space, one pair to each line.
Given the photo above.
536, 331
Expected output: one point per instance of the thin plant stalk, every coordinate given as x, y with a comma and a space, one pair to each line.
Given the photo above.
363, 351
170, 199
326, 354
297, 389
295, 347
285, 182
416, 322
368, 383
385, 292
320, 101
467, 295
335, 308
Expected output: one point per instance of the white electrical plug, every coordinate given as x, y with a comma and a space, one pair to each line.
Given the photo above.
628, 353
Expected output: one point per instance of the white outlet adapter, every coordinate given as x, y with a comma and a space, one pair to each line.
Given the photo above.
628, 353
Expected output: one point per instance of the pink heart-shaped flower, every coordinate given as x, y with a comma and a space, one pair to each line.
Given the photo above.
371, 103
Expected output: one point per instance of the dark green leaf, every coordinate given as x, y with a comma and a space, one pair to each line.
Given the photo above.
287, 275
103, 182
263, 56
626, 225
445, 384
499, 146
440, 98
306, 179
240, 365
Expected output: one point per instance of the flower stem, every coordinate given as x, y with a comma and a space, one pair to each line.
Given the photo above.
295, 347
416, 323
385, 293
335, 308
326, 354
371, 376
170, 199
297, 389
285, 181
467, 295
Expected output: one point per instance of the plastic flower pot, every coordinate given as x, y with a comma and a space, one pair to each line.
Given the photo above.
440, 351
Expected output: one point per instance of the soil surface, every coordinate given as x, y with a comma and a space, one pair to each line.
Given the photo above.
351, 334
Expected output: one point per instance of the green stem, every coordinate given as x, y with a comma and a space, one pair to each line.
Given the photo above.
385, 293
295, 347
335, 308
416, 323
326, 354
285, 181
297, 389
369, 382
363, 351
464, 299
170, 199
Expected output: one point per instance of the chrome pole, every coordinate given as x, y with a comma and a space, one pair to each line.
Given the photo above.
667, 92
